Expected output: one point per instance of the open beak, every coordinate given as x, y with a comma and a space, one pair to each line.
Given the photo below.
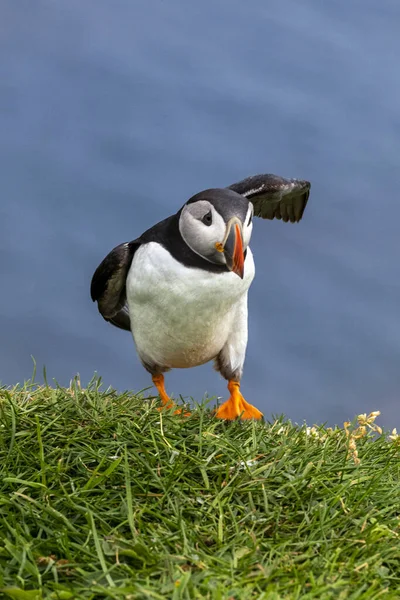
233, 247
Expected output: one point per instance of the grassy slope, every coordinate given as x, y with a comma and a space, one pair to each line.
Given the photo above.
103, 496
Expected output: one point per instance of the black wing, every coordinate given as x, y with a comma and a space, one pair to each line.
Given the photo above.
274, 196
108, 287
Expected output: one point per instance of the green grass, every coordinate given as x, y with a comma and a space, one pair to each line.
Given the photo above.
102, 496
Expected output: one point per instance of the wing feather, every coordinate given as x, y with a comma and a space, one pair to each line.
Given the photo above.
274, 196
108, 287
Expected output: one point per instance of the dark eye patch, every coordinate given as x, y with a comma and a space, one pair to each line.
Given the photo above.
207, 219
250, 219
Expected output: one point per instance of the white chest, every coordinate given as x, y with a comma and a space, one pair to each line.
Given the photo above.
180, 316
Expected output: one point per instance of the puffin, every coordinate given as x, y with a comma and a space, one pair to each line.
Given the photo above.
181, 287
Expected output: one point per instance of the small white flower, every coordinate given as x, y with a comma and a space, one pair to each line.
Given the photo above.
312, 431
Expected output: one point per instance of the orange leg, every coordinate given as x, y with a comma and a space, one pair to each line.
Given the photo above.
237, 406
158, 381
167, 403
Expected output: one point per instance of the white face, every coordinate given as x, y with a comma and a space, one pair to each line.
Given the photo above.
202, 227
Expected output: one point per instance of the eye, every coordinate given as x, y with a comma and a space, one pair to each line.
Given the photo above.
207, 219
250, 219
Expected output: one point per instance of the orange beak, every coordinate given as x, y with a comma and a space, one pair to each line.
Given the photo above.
233, 249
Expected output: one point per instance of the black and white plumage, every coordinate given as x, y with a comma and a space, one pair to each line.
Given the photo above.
181, 287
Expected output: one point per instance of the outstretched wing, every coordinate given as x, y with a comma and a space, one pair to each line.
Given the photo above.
274, 196
108, 287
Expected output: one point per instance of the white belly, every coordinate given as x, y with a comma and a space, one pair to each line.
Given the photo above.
181, 317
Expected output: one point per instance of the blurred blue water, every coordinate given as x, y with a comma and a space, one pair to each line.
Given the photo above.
114, 113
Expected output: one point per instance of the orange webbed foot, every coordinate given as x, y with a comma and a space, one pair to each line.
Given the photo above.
250, 411
237, 406
183, 412
227, 411
166, 401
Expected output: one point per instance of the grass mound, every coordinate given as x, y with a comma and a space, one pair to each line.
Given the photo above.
102, 496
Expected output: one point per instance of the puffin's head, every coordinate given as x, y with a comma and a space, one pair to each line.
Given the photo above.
217, 225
